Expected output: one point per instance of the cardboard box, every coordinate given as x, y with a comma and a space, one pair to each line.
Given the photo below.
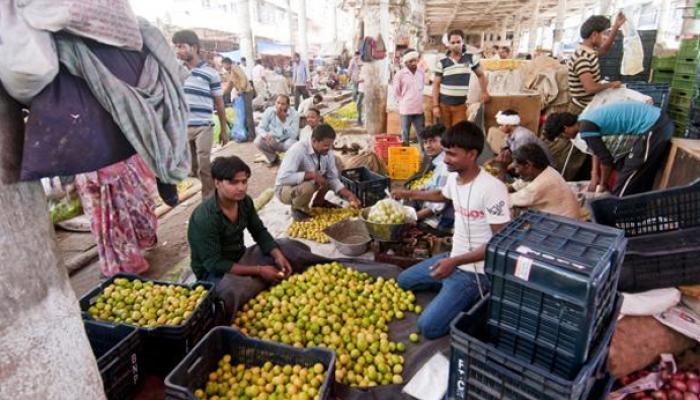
527, 105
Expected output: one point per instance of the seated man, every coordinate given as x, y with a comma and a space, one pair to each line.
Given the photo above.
309, 168
308, 103
481, 208
547, 190
215, 236
278, 129
437, 215
313, 119
637, 166
515, 136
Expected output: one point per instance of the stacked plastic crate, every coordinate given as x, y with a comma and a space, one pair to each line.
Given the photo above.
545, 329
683, 105
663, 69
611, 62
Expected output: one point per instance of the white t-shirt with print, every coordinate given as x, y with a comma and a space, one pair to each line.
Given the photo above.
478, 204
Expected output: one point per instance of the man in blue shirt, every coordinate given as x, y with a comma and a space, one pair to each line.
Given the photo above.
300, 79
309, 169
636, 168
278, 129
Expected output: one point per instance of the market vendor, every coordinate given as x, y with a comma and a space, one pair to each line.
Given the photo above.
439, 215
546, 191
313, 119
515, 136
309, 171
482, 208
309, 103
215, 236
637, 169
278, 129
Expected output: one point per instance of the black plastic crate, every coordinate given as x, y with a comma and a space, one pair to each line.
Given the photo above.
663, 228
365, 184
165, 346
116, 348
553, 285
192, 373
479, 370
611, 62
659, 92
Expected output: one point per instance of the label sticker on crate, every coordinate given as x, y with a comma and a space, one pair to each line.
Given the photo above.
523, 266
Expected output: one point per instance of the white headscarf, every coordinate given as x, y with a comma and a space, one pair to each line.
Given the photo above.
502, 119
411, 55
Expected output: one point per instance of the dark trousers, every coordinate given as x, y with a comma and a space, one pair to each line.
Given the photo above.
237, 290
248, 109
300, 91
639, 170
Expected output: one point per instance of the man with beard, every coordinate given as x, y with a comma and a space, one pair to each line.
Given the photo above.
408, 88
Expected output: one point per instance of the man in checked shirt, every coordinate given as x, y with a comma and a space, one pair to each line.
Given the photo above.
309, 168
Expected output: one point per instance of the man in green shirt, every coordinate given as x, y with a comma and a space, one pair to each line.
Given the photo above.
215, 235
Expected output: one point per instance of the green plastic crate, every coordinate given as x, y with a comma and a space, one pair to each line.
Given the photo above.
662, 77
690, 48
686, 67
684, 82
680, 100
664, 63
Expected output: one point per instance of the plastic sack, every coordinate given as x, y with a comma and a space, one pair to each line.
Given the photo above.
389, 211
632, 51
238, 130
109, 22
30, 61
651, 302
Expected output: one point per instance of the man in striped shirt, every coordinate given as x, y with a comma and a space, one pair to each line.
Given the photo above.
451, 83
204, 93
584, 66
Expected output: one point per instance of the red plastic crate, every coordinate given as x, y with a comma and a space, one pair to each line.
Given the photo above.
382, 144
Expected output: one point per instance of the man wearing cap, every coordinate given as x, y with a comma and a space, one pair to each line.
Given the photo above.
408, 89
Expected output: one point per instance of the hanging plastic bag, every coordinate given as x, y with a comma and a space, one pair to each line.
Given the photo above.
29, 61
632, 50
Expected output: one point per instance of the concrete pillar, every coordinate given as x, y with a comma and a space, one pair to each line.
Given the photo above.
504, 33
290, 24
559, 23
334, 22
517, 33
374, 71
247, 42
303, 40
605, 6
532, 42
45, 352
690, 27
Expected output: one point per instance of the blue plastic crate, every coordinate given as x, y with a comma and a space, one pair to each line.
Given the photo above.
117, 351
553, 284
659, 92
479, 370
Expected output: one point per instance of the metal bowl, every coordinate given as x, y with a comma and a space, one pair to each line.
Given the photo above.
385, 232
350, 237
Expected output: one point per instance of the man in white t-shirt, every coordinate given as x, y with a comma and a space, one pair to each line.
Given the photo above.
481, 208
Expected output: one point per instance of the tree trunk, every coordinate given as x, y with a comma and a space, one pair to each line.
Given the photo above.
44, 353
